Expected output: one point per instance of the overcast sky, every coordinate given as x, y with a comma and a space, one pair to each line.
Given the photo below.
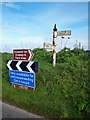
29, 25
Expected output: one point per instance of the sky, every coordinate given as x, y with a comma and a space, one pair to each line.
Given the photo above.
30, 24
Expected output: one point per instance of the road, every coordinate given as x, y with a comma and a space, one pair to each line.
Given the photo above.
9, 111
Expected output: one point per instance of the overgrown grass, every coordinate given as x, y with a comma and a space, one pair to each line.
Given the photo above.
60, 92
0, 76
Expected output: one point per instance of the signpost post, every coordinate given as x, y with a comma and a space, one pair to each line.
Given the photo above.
53, 47
55, 34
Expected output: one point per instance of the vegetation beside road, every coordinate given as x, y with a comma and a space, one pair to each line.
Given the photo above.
60, 92
0, 76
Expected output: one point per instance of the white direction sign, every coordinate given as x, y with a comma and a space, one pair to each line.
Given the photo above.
48, 46
65, 33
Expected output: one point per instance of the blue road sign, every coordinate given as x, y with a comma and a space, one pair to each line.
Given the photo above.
22, 78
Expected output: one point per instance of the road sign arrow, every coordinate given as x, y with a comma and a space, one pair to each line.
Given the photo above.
30, 55
8, 64
13, 65
23, 66
30, 66
34, 67
18, 65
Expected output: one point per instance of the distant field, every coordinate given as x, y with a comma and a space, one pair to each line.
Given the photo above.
61, 92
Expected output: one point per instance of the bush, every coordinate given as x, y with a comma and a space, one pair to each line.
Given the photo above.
61, 91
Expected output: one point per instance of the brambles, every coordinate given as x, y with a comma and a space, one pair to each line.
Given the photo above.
60, 92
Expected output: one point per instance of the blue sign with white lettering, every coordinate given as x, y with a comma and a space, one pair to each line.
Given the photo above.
22, 78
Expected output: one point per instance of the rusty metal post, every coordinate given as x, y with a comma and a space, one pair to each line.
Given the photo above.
54, 45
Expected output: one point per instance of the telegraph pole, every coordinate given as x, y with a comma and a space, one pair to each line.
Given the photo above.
54, 45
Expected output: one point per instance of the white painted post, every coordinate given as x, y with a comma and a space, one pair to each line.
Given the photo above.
54, 45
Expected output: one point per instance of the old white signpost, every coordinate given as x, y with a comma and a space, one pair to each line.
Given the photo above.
55, 34
53, 47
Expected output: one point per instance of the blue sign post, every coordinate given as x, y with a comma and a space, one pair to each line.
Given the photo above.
22, 78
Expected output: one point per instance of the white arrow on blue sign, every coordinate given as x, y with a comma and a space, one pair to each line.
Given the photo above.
22, 78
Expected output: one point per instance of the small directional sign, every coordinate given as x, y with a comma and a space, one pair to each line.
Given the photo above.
22, 54
47, 46
30, 66
22, 78
64, 33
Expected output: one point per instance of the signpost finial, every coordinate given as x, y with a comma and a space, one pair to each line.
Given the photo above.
55, 29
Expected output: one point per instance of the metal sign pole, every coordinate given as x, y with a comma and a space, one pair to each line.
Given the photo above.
54, 45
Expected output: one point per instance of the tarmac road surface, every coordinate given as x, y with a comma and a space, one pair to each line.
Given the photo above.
9, 111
